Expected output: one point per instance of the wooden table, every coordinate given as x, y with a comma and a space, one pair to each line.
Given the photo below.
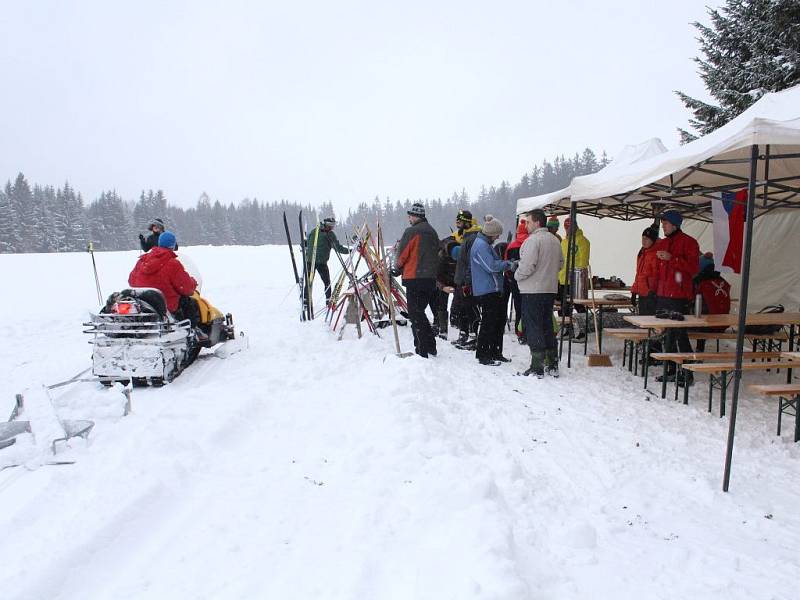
601, 304
791, 355
652, 324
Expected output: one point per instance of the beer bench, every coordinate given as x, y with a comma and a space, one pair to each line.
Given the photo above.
769, 342
631, 344
788, 399
681, 358
718, 375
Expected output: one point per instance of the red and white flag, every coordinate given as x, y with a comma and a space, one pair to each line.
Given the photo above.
728, 209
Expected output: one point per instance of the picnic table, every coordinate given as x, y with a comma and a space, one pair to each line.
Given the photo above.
602, 305
653, 324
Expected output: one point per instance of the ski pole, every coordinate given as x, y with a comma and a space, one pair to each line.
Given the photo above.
90, 250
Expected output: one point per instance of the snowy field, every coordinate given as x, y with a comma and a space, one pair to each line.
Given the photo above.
307, 468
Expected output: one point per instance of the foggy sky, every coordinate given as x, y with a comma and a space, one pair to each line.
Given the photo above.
336, 101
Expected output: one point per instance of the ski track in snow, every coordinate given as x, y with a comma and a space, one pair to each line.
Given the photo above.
310, 468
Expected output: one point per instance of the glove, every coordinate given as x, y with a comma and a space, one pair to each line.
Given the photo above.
467, 291
513, 265
141, 237
395, 272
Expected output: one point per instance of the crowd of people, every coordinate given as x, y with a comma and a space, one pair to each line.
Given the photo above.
468, 278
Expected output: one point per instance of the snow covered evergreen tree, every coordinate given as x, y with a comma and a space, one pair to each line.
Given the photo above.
752, 47
8, 222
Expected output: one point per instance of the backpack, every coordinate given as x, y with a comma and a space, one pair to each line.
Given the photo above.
716, 293
766, 329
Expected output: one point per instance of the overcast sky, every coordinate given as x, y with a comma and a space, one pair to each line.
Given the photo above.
339, 101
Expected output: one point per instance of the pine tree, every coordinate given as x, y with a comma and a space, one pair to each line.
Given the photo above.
8, 222
751, 48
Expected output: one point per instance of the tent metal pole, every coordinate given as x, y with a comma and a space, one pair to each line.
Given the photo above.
570, 276
766, 176
737, 373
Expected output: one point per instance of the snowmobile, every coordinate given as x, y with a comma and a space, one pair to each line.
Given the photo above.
135, 339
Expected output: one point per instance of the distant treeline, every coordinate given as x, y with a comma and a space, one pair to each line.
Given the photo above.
35, 218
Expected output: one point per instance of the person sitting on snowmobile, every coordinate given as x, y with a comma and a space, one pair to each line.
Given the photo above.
161, 269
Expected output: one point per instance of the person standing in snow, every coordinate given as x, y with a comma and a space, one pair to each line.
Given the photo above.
417, 260
645, 284
512, 253
537, 275
469, 316
323, 239
445, 286
678, 257
487, 289
581, 250
156, 228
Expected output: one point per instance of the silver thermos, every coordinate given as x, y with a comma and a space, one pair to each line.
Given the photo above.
698, 305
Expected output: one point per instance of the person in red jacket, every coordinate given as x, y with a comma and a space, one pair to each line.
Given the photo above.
645, 286
678, 257
161, 269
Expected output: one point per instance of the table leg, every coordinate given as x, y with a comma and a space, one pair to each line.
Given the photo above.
710, 390
678, 369
646, 365
586, 335
791, 349
599, 332
797, 418
723, 394
685, 388
664, 380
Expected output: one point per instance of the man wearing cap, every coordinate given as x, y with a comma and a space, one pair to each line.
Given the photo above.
417, 260
322, 239
464, 303
552, 226
156, 228
487, 289
645, 285
581, 250
537, 276
678, 257
160, 268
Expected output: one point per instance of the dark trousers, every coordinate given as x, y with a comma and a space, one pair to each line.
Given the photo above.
440, 314
493, 321
566, 308
469, 318
421, 293
646, 305
675, 337
325, 275
537, 319
516, 298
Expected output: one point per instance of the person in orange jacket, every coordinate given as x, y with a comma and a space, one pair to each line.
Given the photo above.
645, 285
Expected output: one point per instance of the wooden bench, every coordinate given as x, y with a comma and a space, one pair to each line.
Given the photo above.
631, 342
769, 342
681, 358
788, 399
718, 375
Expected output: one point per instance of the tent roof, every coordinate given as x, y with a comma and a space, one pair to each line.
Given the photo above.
629, 155
686, 177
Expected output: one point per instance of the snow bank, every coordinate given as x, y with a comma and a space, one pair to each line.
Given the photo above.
310, 468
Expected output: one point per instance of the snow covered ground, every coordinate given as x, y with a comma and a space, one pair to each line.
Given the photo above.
307, 468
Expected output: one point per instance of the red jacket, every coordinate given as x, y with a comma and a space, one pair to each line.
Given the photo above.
675, 275
646, 272
161, 269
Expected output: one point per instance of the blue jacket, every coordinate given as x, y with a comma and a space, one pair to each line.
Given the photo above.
487, 268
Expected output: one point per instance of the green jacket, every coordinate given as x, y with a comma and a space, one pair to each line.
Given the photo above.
326, 241
581, 254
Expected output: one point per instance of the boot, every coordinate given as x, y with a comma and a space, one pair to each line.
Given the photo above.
551, 362
463, 336
537, 365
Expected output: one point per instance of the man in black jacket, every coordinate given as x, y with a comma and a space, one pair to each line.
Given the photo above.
417, 259
156, 228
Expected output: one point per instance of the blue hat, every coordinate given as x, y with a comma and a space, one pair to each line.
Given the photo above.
673, 216
167, 240
455, 251
706, 262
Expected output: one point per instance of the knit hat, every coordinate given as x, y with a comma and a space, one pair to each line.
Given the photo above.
552, 222
417, 210
464, 215
651, 233
672, 216
157, 222
492, 228
488, 218
167, 240
706, 261
329, 222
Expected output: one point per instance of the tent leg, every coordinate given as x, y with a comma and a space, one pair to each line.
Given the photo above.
737, 374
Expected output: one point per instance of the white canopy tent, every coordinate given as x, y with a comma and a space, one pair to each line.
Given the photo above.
629, 155
759, 150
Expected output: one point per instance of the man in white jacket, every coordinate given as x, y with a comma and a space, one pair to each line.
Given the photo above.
540, 260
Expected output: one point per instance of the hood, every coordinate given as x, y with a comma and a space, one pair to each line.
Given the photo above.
522, 235
154, 261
